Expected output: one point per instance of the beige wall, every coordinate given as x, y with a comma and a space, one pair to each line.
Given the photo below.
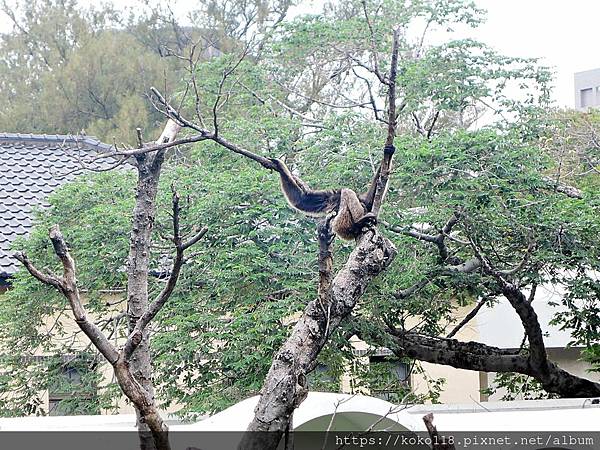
461, 386
65, 319
570, 360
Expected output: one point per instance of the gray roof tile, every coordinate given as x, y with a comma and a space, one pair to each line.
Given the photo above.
31, 168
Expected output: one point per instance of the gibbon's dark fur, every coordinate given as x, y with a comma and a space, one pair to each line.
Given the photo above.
353, 211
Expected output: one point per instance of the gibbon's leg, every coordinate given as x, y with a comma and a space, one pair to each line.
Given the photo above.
351, 217
329, 221
368, 197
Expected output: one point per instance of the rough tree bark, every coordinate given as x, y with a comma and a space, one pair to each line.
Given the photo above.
149, 167
484, 358
131, 364
285, 386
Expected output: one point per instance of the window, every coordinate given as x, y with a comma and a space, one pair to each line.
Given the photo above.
587, 97
390, 378
322, 379
71, 387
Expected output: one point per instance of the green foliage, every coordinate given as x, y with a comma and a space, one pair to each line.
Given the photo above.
68, 70
254, 269
386, 378
514, 386
95, 215
73, 383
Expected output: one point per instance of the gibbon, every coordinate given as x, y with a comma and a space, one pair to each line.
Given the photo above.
353, 211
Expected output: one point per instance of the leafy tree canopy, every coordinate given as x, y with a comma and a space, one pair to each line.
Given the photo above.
311, 94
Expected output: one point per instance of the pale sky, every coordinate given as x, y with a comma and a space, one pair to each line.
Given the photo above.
564, 33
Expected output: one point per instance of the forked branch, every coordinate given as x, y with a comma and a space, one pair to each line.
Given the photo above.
67, 285
135, 337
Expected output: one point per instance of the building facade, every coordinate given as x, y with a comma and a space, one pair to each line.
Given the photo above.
587, 89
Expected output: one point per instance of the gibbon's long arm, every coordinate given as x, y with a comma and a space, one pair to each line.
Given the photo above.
367, 198
301, 197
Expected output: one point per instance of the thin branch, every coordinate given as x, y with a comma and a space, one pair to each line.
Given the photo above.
480, 304
523, 262
174, 114
283, 105
135, 337
50, 279
569, 191
438, 239
525, 311
371, 96
405, 293
321, 102
192, 241
432, 125
224, 77
372, 42
420, 129
359, 63
468, 266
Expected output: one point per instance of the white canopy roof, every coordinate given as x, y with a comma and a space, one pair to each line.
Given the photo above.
352, 413
565, 414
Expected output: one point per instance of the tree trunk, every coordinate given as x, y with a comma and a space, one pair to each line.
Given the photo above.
286, 386
150, 424
148, 167
154, 433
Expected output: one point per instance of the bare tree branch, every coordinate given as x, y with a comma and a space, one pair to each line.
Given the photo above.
135, 336
569, 191
67, 285
373, 43
205, 135
47, 278
480, 304
438, 239
312, 122
525, 311
475, 356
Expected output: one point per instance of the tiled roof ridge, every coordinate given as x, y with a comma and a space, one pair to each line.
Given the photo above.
90, 141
